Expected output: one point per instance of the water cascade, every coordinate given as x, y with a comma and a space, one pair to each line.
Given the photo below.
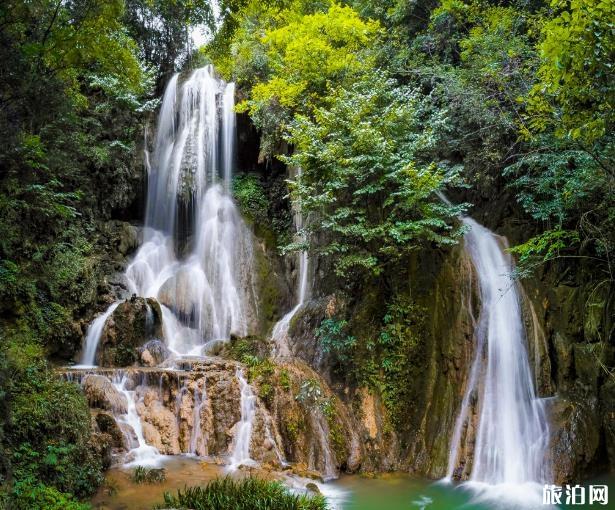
512, 428
142, 454
196, 437
280, 331
92, 337
196, 255
243, 428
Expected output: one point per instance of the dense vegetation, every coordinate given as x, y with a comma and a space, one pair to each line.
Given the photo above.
79, 80
247, 493
383, 105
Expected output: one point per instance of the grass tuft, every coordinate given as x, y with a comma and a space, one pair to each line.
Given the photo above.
245, 494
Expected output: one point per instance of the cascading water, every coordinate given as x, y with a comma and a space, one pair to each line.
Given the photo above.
512, 427
92, 337
196, 437
196, 256
243, 428
142, 454
280, 331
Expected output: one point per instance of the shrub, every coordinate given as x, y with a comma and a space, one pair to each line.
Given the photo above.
47, 431
37, 496
142, 474
251, 198
246, 494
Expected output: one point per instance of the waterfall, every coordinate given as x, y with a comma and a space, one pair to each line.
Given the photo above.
143, 454
228, 134
243, 428
279, 334
200, 398
320, 428
196, 255
92, 337
512, 427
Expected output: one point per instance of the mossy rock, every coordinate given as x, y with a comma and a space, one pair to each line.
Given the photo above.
132, 324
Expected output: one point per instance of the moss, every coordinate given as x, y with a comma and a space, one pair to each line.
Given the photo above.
284, 379
294, 425
337, 437
124, 355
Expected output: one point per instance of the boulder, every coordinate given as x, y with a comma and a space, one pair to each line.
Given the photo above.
101, 394
131, 325
106, 424
153, 353
101, 443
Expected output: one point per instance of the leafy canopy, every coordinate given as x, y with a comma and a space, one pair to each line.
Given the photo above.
301, 59
363, 183
574, 93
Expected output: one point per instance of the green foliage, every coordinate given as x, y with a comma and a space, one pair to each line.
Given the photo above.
566, 189
396, 357
46, 440
36, 496
162, 30
335, 340
141, 474
244, 494
372, 196
310, 393
574, 92
251, 198
290, 58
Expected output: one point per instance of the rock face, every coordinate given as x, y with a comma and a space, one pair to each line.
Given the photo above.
577, 323
575, 438
298, 419
133, 323
102, 394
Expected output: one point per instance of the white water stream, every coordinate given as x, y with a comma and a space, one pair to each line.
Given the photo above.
243, 429
196, 255
92, 337
512, 427
279, 334
196, 437
142, 454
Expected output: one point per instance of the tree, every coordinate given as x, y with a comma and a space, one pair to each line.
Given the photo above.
574, 94
303, 56
370, 197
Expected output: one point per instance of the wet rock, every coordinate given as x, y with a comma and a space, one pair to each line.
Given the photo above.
303, 471
100, 393
607, 398
153, 353
132, 324
575, 438
101, 444
106, 423
160, 427
312, 487
130, 439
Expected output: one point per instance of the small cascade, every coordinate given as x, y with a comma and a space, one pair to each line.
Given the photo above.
196, 437
228, 134
92, 337
143, 454
320, 427
512, 427
280, 331
243, 428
